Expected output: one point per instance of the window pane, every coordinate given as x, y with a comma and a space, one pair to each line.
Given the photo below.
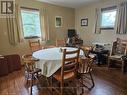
108, 19
31, 23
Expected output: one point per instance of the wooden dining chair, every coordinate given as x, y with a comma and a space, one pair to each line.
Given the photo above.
49, 46
118, 50
86, 50
85, 72
31, 72
60, 43
35, 45
68, 71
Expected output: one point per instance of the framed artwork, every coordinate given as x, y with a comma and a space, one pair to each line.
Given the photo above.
58, 21
84, 22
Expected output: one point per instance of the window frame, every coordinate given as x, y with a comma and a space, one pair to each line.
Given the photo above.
32, 10
108, 9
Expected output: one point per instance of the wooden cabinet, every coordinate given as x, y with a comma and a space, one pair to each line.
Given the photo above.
3, 66
9, 63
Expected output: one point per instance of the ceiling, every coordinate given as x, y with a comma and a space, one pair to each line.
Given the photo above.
70, 3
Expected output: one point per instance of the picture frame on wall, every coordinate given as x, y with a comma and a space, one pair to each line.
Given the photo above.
84, 22
58, 21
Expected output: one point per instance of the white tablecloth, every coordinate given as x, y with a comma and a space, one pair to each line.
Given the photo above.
51, 59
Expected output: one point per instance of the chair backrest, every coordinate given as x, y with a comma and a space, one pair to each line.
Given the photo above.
86, 50
60, 42
123, 41
119, 48
85, 65
34, 45
69, 62
29, 62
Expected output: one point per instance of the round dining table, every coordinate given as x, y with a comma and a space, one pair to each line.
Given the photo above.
50, 60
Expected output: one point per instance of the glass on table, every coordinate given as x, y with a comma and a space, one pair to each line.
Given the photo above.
61, 50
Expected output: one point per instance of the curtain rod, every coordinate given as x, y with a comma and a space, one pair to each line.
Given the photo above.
30, 8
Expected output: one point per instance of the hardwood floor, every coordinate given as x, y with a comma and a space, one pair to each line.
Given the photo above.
107, 82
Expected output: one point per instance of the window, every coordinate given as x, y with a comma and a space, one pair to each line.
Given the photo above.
31, 23
108, 17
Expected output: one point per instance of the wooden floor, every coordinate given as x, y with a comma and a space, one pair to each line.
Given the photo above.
107, 82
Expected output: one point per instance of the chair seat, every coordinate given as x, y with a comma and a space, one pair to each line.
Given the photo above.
92, 55
115, 56
29, 57
67, 76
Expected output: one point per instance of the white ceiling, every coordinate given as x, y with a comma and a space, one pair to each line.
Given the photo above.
70, 3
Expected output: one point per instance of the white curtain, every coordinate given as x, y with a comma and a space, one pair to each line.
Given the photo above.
13, 28
44, 24
97, 23
121, 27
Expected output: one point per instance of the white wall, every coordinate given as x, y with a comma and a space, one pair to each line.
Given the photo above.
87, 32
68, 16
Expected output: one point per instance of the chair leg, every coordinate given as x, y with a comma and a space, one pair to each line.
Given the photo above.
92, 80
123, 66
73, 87
31, 84
108, 63
27, 82
61, 88
82, 85
52, 85
76, 87
27, 78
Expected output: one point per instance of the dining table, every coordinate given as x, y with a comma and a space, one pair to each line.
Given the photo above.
50, 59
